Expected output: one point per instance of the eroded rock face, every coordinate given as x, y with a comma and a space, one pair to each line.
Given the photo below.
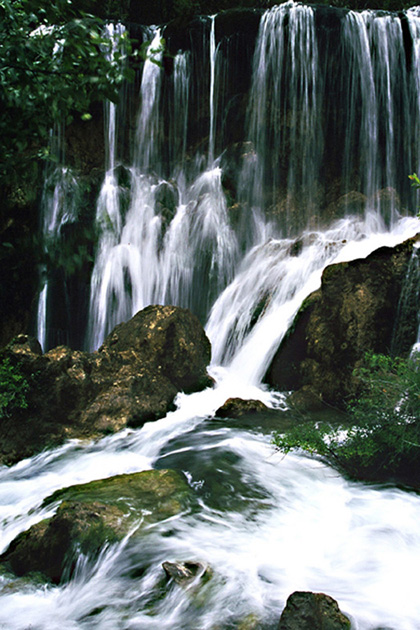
133, 378
312, 611
353, 312
93, 514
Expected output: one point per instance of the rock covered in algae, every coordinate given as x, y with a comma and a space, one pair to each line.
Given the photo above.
92, 515
187, 573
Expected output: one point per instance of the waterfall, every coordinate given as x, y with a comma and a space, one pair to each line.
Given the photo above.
284, 116
143, 255
258, 155
245, 146
59, 209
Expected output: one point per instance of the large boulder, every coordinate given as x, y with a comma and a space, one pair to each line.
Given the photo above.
170, 340
133, 378
92, 515
354, 311
312, 611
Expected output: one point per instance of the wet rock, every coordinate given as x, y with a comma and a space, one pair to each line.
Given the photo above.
154, 494
133, 378
353, 202
237, 407
50, 547
250, 622
305, 400
185, 573
170, 340
312, 611
25, 345
353, 312
167, 199
92, 515
85, 143
388, 200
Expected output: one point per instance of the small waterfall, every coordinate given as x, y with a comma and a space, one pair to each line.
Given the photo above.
360, 107
143, 255
284, 125
179, 117
413, 20
148, 146
408, 314
59, 208
250, 318
212, 90
108, 219
377, 113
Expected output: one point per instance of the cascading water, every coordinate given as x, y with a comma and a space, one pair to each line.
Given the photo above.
59, 209
408, 314
267, 525
144, 256
284, 116
318, 143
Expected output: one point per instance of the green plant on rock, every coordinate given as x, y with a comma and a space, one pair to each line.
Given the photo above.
381, 440
415, 182
13, 389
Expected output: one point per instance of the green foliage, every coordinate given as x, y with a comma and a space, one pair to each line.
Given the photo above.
54, 61
13, 389
415, 182
382, 438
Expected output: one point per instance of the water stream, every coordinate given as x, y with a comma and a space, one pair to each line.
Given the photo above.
267, 525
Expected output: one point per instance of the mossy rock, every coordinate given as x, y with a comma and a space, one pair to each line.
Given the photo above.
312, 611
93, 515
353, 312
153, 494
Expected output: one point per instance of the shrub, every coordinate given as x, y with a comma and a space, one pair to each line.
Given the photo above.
382, 438
13, 388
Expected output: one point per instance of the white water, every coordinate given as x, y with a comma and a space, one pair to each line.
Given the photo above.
285, 75
267, 525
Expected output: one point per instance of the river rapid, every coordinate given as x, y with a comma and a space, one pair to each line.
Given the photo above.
266, 524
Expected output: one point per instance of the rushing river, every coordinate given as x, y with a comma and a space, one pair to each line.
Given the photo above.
267, 525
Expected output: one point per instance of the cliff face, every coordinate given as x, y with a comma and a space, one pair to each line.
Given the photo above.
149, 12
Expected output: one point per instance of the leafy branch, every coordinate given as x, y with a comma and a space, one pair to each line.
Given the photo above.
381, 439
